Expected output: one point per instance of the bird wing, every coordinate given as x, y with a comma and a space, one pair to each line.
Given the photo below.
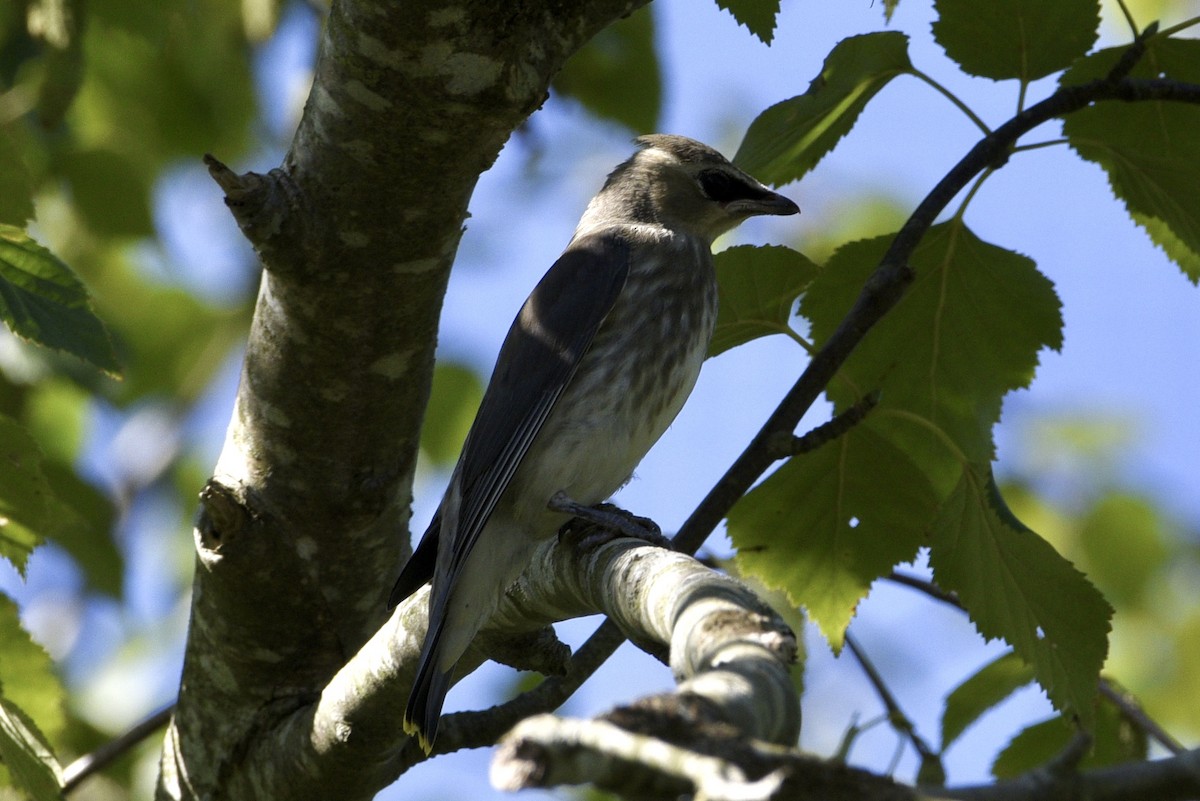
543, 348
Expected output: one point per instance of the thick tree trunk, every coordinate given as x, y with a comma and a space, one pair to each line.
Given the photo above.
304, 524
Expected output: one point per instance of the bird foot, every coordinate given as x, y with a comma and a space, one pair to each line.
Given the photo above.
604, 521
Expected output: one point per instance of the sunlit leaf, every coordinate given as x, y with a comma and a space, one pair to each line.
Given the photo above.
759, 288
30, 761
1148, 149
983, 691
43, 301
828, 523
1021, 39
25, 500
1017, 587
759, 16
788, 139
616, 75
260, 18
27, 674
969, 330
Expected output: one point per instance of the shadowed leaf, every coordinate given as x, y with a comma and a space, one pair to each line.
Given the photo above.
759, 16
43, 301
788, 139
1021, 39
1149, 150
759, 288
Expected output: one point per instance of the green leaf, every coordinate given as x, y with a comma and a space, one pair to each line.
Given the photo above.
171, 341
25, 499
970, 328
56, 414
759, 16
43, 301
1015, 586
822, 528
30, 761
1034, 746
58, 23
968, 331
1125, 548
1021, 39
788, 139
1148, 149
83, 524
109, 193
991, 684
1115, 740
616, 75
156, 88
16, 187
759, 288
453, 401
27, 674
261, 18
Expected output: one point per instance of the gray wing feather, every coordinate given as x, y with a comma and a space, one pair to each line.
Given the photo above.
539, 356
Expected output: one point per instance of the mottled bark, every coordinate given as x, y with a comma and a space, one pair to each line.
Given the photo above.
304, 524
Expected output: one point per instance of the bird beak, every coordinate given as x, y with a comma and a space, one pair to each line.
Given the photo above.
767, 203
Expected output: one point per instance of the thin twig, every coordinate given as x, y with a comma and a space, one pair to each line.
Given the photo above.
925, 586
1123, 700
888, 284
1133, 26
881, 292
953, 98
106, 754
1066, 762
896, 717
1133, 54
1129, 706
787, 445
483, 728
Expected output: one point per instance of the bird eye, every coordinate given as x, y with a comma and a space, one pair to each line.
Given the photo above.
723, 187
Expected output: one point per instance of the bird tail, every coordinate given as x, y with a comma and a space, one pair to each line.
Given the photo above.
419, 568
425, 701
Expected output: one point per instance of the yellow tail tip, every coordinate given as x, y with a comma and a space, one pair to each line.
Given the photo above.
413, 729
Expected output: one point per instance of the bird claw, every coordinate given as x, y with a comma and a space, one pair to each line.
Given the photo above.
604, 522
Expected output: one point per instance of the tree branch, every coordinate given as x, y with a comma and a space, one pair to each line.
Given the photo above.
90, 764
888, 284
301, 530
895, 715
728, 651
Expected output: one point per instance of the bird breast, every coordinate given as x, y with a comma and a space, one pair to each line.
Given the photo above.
632, 381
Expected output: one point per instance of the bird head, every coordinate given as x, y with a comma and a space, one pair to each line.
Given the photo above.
685, 185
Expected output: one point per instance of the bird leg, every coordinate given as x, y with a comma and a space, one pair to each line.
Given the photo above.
604, 521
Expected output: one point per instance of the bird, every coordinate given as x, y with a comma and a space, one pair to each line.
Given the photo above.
595, 367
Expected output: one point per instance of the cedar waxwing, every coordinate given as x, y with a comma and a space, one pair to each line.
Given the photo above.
594, 368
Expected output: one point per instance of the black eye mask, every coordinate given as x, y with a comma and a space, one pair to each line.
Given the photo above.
723, 188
